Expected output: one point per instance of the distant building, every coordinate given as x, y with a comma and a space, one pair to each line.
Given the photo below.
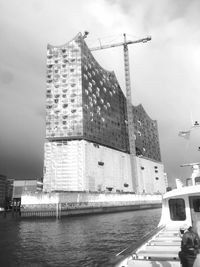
21, 187
9, 188
2, 190
87, 146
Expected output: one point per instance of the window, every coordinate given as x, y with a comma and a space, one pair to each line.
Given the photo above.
196, 204
197, 180
95, 145
177, 209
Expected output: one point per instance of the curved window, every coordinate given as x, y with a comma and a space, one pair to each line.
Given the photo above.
177, 209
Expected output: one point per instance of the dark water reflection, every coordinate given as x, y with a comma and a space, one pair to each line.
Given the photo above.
87, 241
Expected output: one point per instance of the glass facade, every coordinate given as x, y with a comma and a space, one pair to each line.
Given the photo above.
84, 101
64, 91
146, 132
104, 105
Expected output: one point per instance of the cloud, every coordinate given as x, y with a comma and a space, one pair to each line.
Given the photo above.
6, 77
164, 72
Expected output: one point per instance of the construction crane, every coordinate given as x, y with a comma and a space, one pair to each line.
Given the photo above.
131, 134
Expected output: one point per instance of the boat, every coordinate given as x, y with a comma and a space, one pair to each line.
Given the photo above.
180, 208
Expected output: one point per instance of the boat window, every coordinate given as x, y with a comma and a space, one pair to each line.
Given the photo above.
188, 181
196, 204
177, 209
197, 180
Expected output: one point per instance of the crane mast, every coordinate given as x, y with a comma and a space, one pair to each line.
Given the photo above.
131, 134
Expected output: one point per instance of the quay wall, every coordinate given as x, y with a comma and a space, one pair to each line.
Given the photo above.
71, 203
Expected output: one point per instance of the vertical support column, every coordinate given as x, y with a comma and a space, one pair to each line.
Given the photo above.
131, 134
57, 210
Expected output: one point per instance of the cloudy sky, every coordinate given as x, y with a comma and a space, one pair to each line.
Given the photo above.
164, 72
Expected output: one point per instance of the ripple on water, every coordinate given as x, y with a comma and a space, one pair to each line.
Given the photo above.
86, 241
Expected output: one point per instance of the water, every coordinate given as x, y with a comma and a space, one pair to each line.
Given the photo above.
88, 241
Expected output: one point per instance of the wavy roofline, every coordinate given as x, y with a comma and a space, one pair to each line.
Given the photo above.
108, 71
141, 106
59, 46
80, 34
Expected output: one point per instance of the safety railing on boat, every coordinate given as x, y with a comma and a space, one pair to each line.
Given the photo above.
131, 249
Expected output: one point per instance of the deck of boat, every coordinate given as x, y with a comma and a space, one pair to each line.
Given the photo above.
160, 250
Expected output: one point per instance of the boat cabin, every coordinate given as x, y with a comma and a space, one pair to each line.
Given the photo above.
182, 206
179, 207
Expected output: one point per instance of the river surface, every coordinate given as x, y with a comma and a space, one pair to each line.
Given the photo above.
88, 241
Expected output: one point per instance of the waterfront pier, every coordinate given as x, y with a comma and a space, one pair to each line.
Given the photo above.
72, 203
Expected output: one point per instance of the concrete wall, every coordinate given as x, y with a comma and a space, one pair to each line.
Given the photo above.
66, 204
151, 176
85, 166
116, 171
75, 197
107, 168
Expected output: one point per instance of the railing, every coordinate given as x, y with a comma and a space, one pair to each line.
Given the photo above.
131, 249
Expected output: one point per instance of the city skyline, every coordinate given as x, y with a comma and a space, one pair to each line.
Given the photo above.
164, 72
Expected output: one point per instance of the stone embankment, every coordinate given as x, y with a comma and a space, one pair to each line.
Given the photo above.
73, 203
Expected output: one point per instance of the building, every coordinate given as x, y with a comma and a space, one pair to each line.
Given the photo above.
2, 190
146, 132
9, 188
27, 187
87, 147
